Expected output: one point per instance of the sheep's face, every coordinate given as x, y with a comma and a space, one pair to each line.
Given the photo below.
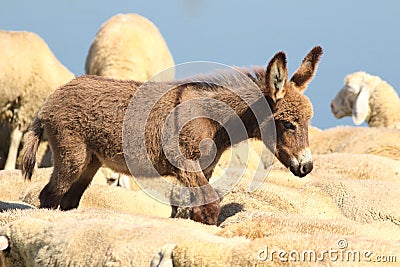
342, 105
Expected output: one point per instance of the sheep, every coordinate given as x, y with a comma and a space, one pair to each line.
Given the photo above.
367, 98
100, 237
129, 47
29, 72
351, 166
280, 193
97, 237
356, 167
368, 217
274, 224
13, 185
318, 196
93, 237
106, 197
357, 140
78, 156
289, 234
285, 213
362, 200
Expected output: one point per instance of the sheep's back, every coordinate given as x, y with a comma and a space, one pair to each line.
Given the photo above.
129, 47
28, 74
359, 140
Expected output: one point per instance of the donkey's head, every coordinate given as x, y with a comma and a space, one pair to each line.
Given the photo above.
292, 110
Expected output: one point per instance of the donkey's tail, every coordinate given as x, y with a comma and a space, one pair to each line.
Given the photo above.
31, 144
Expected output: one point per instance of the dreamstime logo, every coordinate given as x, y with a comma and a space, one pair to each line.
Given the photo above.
340, 253
182, 126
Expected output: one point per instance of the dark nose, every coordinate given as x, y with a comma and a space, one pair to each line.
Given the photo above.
332, 106
305, 168
302, 170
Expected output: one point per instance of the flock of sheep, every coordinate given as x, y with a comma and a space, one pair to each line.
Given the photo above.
352, 192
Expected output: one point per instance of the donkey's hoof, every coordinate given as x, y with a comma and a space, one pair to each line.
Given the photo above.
182, 212
207, 214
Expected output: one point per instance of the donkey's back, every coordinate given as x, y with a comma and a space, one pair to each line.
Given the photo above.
88, 111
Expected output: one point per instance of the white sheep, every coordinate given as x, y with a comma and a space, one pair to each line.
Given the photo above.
367, 98
284, 240
29, 72
130, 47
91, 237
95, 237
106, 198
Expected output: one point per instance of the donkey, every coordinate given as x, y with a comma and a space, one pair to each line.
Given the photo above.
84, 118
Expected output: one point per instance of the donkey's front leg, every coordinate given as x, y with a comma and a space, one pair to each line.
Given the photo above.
203, 204
207, 214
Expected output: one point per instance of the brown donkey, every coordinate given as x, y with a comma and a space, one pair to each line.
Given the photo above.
84, 122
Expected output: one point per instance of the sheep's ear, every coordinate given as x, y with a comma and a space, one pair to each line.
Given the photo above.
4, 243
277, 75
361, 107
304, 74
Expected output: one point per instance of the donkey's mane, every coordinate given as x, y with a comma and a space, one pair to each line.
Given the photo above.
237, 77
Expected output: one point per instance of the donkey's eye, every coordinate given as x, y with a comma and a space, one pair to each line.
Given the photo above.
289, 125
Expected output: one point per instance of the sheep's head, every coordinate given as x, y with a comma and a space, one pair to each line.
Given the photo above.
352, 99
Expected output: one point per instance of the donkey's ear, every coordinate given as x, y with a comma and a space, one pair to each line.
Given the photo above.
361, 107
304, 74
277, 76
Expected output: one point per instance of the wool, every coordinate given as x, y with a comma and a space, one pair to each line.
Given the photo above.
129, 47
381, 107
29, 73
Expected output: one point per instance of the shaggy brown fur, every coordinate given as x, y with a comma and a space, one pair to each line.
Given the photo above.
84, 120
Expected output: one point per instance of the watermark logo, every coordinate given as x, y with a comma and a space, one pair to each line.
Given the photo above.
339, 253
342, 243
183, 125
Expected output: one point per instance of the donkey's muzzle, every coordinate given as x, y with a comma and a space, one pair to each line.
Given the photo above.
301, 169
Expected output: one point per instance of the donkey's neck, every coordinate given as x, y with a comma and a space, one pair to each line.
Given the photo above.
243, 92
243, 126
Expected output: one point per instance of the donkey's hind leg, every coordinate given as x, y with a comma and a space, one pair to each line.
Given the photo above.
71, 199
69, 163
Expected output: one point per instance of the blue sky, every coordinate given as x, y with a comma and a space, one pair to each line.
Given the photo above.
355, 35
